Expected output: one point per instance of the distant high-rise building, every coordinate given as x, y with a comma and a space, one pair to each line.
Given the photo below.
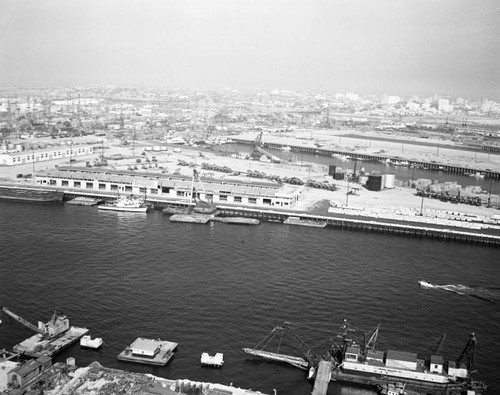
412, 106
486, 105
444, 105
352, 96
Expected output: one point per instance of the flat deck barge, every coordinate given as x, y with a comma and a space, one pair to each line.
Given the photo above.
191, 218
149, 351
38, 345
237, 220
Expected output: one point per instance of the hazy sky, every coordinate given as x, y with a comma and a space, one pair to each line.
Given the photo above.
394, 46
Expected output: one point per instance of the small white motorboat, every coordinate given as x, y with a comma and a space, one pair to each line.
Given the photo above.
425, 284
208, 360
88, 342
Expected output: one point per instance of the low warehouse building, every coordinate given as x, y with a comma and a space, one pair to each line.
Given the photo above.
169, 187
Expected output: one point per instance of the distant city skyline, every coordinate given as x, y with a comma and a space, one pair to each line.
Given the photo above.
404, 48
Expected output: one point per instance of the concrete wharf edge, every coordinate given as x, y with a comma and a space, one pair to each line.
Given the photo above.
404, 229
369, 225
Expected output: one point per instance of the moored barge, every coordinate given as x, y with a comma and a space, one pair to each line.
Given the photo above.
51, 338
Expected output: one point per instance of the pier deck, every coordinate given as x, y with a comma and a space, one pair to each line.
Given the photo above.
323, 376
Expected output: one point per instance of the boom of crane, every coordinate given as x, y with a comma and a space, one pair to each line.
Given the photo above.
58, 324
308, 354
370, 344
467, 355
440, 346
201, 206
258, 151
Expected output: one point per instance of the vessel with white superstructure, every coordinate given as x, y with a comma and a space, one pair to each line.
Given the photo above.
358, 362
87, 342
126, 203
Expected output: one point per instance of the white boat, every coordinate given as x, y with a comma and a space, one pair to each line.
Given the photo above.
88, 342
477, 175
126, 203
425, 284
208, 360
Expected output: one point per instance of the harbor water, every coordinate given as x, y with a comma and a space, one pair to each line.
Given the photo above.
220, 287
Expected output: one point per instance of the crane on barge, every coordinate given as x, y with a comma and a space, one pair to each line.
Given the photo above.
58, 324
202, 206
337, 363
258, 151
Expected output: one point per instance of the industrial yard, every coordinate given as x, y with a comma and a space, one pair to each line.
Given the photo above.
214, 164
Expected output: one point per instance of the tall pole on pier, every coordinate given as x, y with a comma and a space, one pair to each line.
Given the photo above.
33, 159
133, 142
422, 205
489, 194
347, 194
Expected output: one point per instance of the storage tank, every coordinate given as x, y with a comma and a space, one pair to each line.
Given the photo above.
156, 148
19, 147
375, 182
332, 169
3, 147
10, 146
164, 148
389, 181
148, 148
362, 180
